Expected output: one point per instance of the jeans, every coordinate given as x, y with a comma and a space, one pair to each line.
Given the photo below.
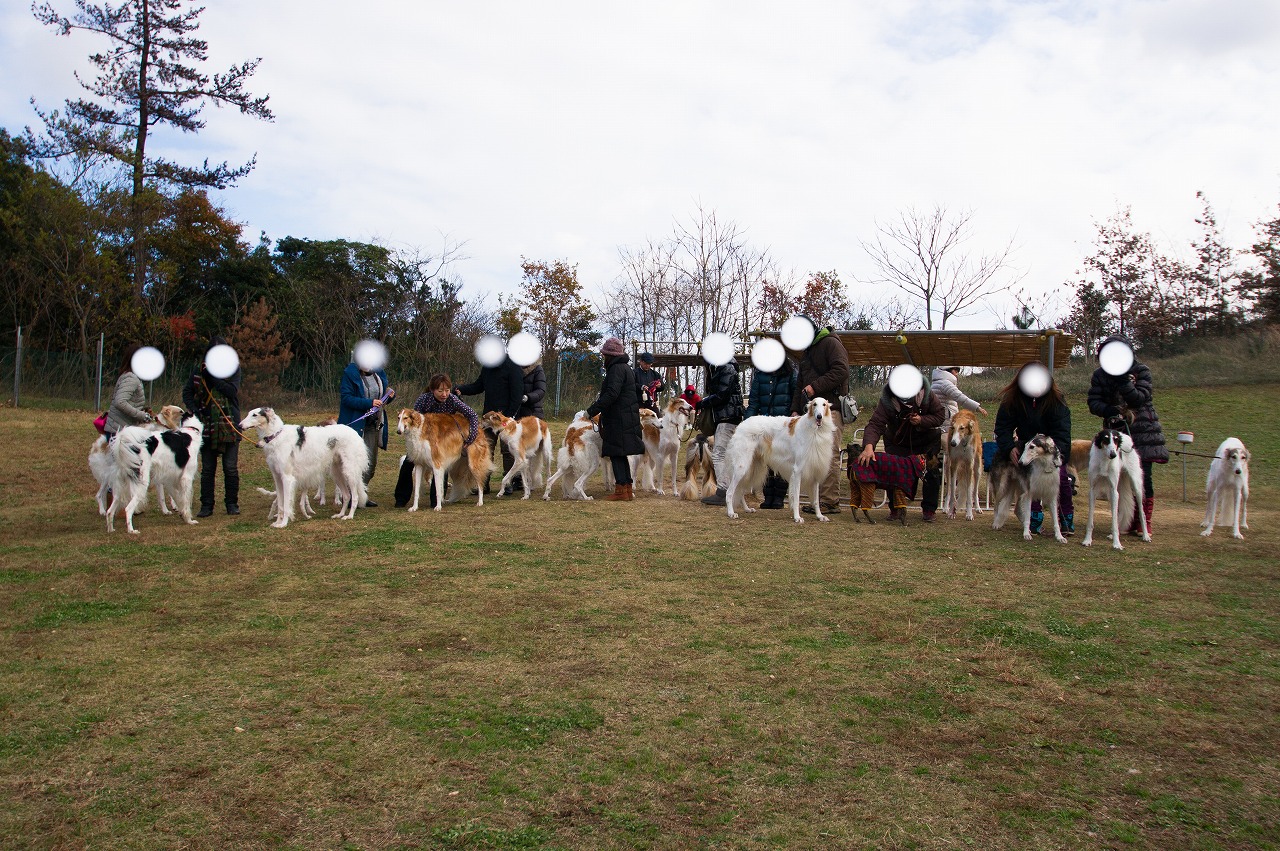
230, 453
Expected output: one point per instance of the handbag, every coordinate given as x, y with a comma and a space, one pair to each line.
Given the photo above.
848, 409
100, 422
705, 422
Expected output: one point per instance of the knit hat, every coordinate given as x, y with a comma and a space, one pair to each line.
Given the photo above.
646, 357
612, 346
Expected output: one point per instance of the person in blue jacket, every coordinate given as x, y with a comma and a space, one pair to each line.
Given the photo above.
771, 394
361, 391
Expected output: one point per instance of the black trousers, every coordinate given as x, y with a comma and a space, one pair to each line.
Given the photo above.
932, 482
404, 485
230, 453
621, 469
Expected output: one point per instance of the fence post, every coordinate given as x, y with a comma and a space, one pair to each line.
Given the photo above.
559, 376
97, 397
17, 372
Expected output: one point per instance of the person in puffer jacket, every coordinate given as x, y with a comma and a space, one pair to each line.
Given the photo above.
1126, 402
724, 396
771, 394
946, 387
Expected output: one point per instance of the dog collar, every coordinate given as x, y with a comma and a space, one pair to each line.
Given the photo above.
267, 440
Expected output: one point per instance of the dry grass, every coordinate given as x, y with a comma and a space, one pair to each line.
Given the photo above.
644, 675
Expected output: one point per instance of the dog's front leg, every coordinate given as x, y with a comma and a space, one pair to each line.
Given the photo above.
1088, 529
1024, 503
284, 501
417, 485
437, 482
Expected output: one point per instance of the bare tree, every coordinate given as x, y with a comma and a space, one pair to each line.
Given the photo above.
925, 256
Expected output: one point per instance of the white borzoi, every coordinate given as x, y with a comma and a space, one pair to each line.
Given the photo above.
1227, 489
578, 458
1033, 477
169, 459
528, 439
666, 449
963, 464
299, 457
797, 447
103, 467
1115, 471
434, 442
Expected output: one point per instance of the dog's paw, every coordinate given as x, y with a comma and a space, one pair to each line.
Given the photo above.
1117, 546
192, 522
732, 516
526, 496
799, 520
1027, 536
748, 509
1087, 542
1236, 535
824, 518
1060, 539
1207, 532
1147, 538
438, 507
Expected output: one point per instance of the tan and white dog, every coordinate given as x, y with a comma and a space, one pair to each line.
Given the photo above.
666, 449
963, 464
578, 458
697, 464
529, 440
102, 463
435, 441
1227, 487
643, 466
797, 447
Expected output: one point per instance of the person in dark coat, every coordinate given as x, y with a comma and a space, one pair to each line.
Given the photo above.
909, 428
360, 392
771, 394
1019, 419
1126, 402
535, 391
824, 371
619, 410
724, 397
503, 389
216, 401
649, 382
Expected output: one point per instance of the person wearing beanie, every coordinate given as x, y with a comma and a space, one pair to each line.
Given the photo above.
1126, 403
619, 408
649, 382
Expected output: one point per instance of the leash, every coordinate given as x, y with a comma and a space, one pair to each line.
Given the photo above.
234, 426
386, 397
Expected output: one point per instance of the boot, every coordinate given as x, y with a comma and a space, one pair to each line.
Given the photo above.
1068, 524
404, 484
716, 499
775, 491
621, 493
1148, 506
1037, 520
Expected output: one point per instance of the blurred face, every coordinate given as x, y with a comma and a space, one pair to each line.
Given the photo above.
441, 393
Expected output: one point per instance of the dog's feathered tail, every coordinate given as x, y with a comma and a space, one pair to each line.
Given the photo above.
1127, 504
697, 457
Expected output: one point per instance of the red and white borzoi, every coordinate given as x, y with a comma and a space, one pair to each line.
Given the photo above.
697, 463
1115, 471
662, 445
797, 447
529, 441
102, 465
578, 458
300, 456
167, 458
963, 464
435, 441
1227, 487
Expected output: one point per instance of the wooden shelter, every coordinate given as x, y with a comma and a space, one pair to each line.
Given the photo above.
1010, 349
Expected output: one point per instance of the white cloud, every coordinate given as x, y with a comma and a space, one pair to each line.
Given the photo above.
567, 130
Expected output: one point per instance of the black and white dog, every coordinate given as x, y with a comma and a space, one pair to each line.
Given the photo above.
1033, 477
1115, 472
169, 459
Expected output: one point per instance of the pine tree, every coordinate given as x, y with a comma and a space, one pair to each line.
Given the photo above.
263, 354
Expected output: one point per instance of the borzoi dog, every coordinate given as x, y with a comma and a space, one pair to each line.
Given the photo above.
697, 463
1033, 477
1115, 471
578, 458
963, 464
434, 441
300, 456
644, 466
103, 467
169, 459
529, 441
1227, 488
662, 439
798, 447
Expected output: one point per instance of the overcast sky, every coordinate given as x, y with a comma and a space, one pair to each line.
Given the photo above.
569, 129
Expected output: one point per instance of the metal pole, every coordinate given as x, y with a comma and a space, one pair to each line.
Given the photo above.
17, 372
97, 398
1052, 338
559, 379
1184, 478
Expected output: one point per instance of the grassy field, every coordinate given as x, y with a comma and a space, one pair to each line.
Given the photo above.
643, 675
